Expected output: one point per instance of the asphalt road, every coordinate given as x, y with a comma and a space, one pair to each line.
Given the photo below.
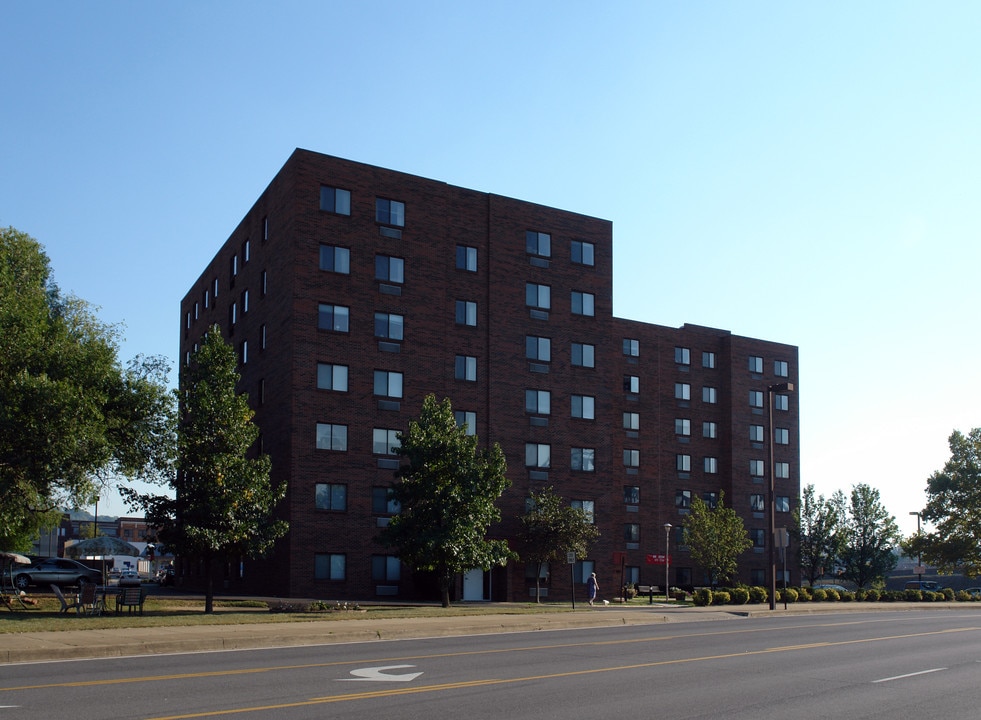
856, 665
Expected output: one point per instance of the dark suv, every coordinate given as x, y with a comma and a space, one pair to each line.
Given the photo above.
924, 585
55, 571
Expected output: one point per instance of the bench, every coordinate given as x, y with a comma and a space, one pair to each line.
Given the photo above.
130, 598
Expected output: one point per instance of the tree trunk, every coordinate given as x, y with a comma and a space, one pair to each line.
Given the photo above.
445, 578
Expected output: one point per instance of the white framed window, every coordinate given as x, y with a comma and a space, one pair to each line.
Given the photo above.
583, 355
781, 470
631, 421
330, 496
466, 313
329, 566
756, 398
332, 377
682, 499
384, 441
756, 433
389, 269
631, 532
682, 426
538, 348
389, 212
583, 253
782, 503
756, 468
710, 465
631, 347
708, 360
466, 258
756, 364
388, 384
465, 419
538, 296
465, 368
389, 326
335, 200
584, 407
757, 502
682, 462
631, 458
538, 402
331, 436
538, 455
631, 384
333, 317
781, 368
710, 430
781, 436
538, 243
583, 459
710, 395
682, 391
682, 356
781, 402
583, 303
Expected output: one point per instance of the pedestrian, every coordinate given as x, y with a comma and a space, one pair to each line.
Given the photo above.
592, 588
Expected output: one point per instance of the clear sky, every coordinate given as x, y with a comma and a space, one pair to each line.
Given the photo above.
806, 173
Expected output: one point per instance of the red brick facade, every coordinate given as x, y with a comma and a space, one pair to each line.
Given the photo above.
269, 280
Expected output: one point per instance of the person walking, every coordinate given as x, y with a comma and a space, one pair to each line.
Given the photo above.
592, 588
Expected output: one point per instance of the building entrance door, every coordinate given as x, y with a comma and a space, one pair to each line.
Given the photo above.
475, 588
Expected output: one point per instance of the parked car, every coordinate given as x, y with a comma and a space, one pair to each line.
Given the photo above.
839, 588
924, 585
974, 592
129, 577
55, 571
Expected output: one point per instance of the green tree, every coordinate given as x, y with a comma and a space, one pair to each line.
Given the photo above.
71, 417
223, 501
715, 537
870, 538
549, 529
446, 494
954, 509
819, 531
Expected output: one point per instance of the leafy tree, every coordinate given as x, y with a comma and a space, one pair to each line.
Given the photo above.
223, 498
715, 538
550, 528
819, 526
870, 537
446, 497
72, 418
954, 509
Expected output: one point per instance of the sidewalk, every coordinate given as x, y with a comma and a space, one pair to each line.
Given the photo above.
124, 642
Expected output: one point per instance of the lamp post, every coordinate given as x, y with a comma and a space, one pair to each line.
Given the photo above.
771, 390
919, 563
667, 558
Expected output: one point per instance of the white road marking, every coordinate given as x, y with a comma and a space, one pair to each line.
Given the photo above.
903, 677
378, 674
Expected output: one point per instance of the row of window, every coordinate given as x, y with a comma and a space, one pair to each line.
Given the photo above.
333, 567
682, 428
710, 395
682, 356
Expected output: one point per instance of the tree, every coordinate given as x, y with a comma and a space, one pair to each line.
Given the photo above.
715, 538
223, 500
870, 538
954, 509
446, 494
819, 526
72, 418
551, 528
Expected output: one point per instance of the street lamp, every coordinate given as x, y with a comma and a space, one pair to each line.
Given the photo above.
667, 558
771, 390
919, 563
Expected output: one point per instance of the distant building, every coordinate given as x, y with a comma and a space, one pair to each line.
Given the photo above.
350, 292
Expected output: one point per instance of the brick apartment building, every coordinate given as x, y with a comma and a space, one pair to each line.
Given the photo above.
351, 292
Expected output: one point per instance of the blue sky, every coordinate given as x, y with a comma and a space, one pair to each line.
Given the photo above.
799, 172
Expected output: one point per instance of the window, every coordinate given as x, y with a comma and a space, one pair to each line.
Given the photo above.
682, 499
538, 243
263, 283
631, 532
384, 441
389, 269
538, 348
584, 406
756, 364
758, 536
265, 229
631, 495
331, 497
466, 258
781, 402
782, 503
780, 368
246, 251
332, 377
331, 437
708, 360
631, 348
631, 421
389, 212
335, 200
756, 398
583, 355
386, 568
245, 301
781, 436
756, 468
631, 384
243, 352
682, 391
329, 566
466, 313
538, 455
682, 426
682, 356
710, 465
781, 470
538, 402
389, 326
382, 502
756, 433
466, 420
631, 458
583, 459
757, 502
710, 395
711, 499
588, 507
232, 270
682, 463
214, 287
583, 303
538, 296
207, 299
388, 384
333, 317
232, 314
465, 368
583, 253
710, 430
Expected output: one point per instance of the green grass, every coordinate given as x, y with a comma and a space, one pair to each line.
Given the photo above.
169, 612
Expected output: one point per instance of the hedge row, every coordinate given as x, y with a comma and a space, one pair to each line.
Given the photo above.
757, 594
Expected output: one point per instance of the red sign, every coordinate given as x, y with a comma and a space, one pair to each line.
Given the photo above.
657, 559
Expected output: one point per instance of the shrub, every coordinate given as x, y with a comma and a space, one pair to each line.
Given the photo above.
804, 594
721, 597
962, 596
831, 595
913, 595
872, 595
702, 597
740, 596
948, 594
757, 594
630, 592
847, 596
789, 595
819, 594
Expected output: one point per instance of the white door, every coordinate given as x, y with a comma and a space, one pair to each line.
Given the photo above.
473, 585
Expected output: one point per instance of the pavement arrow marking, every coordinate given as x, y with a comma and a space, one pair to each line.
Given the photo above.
378, 674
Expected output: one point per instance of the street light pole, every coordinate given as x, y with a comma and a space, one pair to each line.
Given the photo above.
771, 390
667, 558
919, 562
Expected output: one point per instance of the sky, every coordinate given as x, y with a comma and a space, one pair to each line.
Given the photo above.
805, 173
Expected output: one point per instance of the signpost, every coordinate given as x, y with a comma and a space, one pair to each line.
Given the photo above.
571, 559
